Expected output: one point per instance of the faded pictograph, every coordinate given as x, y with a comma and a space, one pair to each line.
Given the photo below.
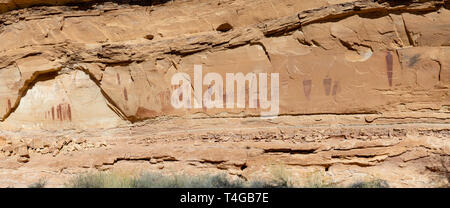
255, 86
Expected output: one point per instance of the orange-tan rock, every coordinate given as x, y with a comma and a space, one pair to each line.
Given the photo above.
363, 87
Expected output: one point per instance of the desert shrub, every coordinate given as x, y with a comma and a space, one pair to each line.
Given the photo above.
101, 180
445, 171
281, 179
319, 180
40, 184
370, 184
266, 184
155, 180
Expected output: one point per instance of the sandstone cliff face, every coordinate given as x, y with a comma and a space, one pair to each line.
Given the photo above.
356, 57
92, 65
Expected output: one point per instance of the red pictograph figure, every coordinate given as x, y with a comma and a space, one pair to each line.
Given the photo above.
63, 112
53, 113
335, 88
164, 97
69, 112
327, 85
389, 63
125, 94
58, 112
9, 106
224, 97
307, 86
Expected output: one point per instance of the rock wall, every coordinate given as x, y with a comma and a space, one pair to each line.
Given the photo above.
357, 57
72, 66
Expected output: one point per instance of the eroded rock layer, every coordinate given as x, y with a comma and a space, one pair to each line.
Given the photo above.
105, 68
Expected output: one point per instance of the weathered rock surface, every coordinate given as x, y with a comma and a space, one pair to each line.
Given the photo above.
364, 86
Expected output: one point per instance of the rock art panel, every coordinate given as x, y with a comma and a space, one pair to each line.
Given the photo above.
17, 77
140, 90
67, 101
90, 86
9, 88
353, 61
